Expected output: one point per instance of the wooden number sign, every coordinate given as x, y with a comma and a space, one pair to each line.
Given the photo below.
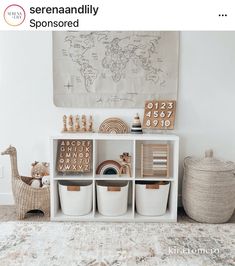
159, 114
74, 156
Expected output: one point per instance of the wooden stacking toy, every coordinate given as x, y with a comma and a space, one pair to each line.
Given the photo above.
136, 127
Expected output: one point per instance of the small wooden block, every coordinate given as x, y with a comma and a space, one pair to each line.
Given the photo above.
73, 188
152, 186
113, 189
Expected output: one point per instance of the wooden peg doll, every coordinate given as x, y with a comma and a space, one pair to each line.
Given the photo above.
65, 124
77, 125
70, 123
83, 128
90, 127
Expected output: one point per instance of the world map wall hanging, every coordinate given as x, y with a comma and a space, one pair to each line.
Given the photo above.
114, 68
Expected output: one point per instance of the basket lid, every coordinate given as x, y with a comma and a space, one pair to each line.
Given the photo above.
209, 163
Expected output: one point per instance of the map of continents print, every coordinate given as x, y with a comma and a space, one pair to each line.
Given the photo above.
114, 69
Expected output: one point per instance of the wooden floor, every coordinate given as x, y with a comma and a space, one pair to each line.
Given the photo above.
8, 213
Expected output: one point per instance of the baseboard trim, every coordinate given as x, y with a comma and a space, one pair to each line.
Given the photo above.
6, 199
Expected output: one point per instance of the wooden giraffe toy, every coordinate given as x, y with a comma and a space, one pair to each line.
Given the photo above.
125, 164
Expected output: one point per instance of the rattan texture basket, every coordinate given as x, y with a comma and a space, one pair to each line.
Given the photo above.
208, 190
28, 198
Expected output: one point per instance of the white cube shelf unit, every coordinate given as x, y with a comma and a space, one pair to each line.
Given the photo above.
110, 147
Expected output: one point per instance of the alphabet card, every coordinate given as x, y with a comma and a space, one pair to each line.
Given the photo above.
159, 114
74, 156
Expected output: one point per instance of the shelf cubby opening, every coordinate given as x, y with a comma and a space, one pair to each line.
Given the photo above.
150, 202
141, 161
70, 183
109, 185
107, 158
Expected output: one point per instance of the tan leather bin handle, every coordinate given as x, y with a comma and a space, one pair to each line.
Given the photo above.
73, 188
152, 186
113, 189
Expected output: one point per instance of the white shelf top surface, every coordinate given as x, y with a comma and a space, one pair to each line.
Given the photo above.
102, 136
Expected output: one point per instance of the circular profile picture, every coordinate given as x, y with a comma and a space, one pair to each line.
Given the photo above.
14, 15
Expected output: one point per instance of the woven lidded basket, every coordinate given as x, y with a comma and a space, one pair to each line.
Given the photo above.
208, 190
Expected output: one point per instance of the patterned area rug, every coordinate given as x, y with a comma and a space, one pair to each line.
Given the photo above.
93, 244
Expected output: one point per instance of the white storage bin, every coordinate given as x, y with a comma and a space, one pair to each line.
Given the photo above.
112, 197
75, 197
152, 197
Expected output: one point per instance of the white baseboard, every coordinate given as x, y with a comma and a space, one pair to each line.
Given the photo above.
6, 199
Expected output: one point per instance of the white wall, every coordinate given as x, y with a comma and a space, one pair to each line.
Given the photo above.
206, 101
